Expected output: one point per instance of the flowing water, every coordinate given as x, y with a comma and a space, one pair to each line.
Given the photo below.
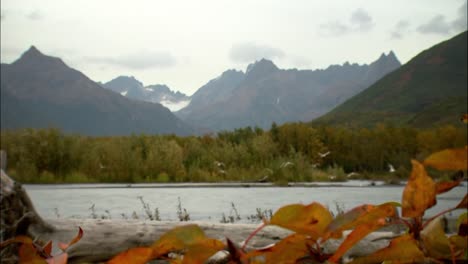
208, 202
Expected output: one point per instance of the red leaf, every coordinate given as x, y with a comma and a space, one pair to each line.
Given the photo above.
463, 204
445, 186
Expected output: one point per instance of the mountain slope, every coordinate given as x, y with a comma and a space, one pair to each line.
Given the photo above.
134, 89
40, 91
430, 89
266, 94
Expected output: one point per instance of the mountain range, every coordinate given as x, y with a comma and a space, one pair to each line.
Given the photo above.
130, 87
429, 90
40, 91
265, 94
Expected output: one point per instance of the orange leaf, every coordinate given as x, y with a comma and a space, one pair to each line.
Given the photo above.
134, 255
419, 193
202, 250
59, 259
367, 223
64, 246
445, 186
403, 249
448, 159
346, 221
311, 219
464, 118
177, 238
17, 239
28, 254
288, 250
463, 204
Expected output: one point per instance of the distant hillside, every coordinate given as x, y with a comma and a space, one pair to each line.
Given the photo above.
40, 91
134, 89
265, 94
430, 89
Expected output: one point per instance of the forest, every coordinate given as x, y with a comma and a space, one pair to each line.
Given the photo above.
293, 152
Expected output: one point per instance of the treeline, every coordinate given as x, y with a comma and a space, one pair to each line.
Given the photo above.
290, 152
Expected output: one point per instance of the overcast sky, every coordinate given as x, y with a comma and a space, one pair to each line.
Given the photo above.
184, 44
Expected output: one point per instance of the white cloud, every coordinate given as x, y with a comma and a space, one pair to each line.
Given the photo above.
138, 61
248, 52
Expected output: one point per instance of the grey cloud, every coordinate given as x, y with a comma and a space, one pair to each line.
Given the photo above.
361, 20
401, 28
35, 15
460, 23
334, 28
248, 52
437, 25
138, 61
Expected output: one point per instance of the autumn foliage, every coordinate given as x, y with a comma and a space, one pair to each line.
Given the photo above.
313, 225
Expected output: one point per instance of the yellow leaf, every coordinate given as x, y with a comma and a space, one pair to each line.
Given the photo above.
199, 252
134, 255
403, 249
178, 238
435, 240
448, 159
288, 250
311, 219
419, 193
459, 245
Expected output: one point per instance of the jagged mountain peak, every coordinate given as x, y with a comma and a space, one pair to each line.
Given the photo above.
33, 57
261, 66
390, 57
33, 51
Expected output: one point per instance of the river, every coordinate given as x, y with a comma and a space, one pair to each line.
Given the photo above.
208, 202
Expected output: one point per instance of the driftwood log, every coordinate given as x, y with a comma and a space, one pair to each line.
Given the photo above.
103, 239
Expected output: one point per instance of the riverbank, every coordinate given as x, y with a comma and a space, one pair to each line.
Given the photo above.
352, 183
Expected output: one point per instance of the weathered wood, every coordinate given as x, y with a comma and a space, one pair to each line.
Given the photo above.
103, 239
